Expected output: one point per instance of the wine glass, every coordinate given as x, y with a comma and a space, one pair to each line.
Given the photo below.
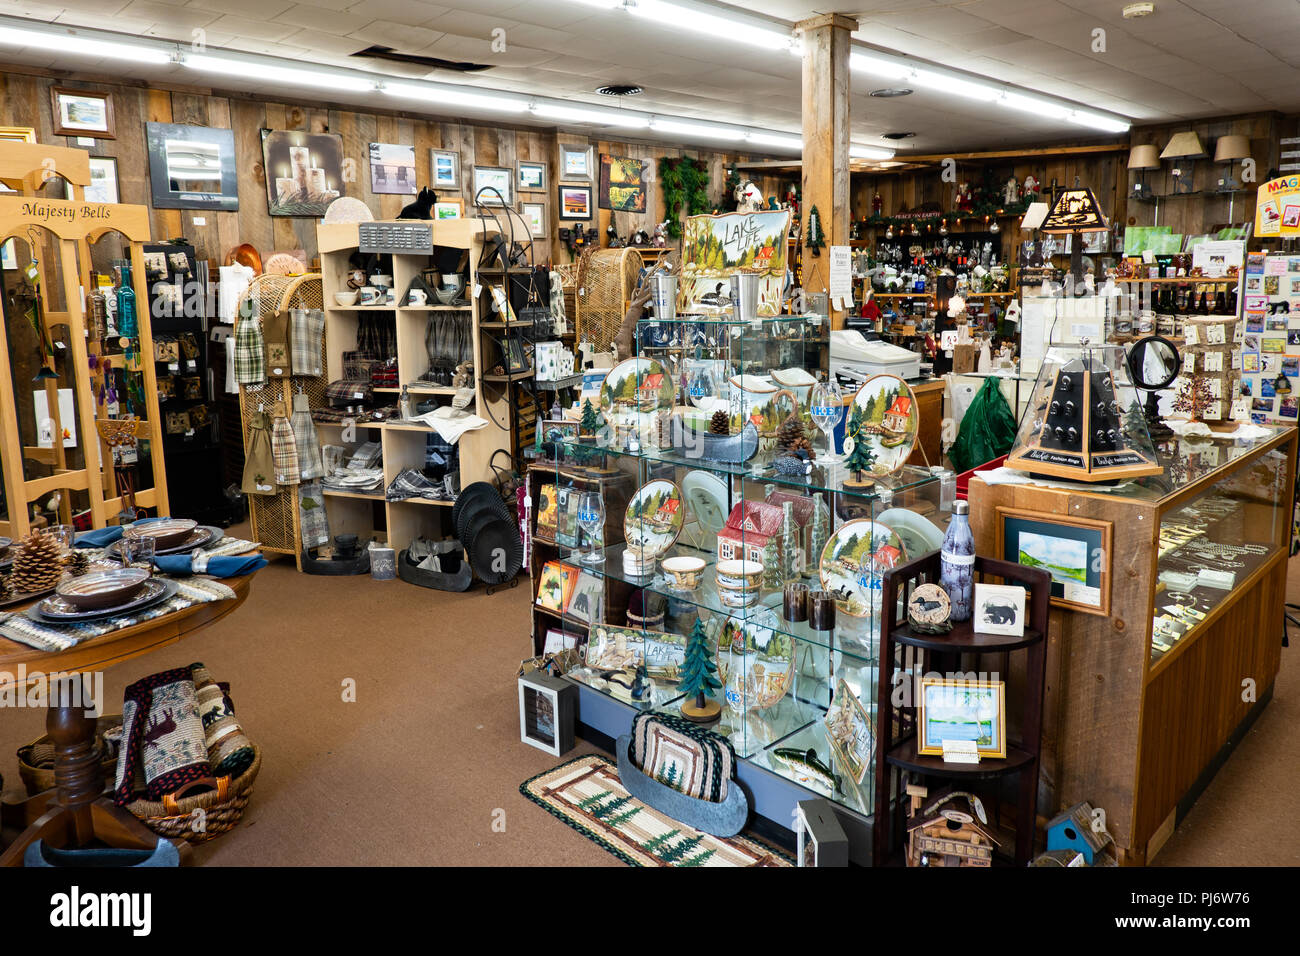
591, 517
826, 405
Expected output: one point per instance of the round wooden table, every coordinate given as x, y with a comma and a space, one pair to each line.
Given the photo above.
75, 813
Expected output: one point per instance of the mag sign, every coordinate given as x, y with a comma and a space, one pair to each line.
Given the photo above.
1277, 207
716, 247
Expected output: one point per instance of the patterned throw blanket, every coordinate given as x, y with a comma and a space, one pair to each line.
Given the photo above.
162, 736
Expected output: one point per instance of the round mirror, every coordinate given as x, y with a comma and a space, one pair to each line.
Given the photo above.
1154, 362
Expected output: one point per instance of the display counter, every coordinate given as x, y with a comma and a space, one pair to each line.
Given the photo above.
1166, 623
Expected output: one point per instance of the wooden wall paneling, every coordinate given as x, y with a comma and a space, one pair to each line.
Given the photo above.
158, 109
255, 226
227, 223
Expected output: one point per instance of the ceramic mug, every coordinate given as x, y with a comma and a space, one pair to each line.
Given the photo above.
758, 400
370, 295
418, 297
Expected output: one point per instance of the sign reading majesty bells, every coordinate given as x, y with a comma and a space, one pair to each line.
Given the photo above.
71, 219
1277, 207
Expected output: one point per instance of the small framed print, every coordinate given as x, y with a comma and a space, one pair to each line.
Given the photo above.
449, 209
999, 609
446, 168
532, 176
1075, 551
534, 214
575, 161
103, 181
17, 134
83, 113
493, 186
575, 202
961, 711
547, 706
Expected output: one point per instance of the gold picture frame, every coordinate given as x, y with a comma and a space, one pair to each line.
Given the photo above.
17, 134
929, 744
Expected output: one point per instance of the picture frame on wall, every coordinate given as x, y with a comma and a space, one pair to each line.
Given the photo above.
392, 170
445, 168
576, 161
1075, 551
17, 134
103, 181
532, 176
82, 113
574, 202
304, 171
192, 167
961, 711
498, 181
534, 214
451, 208
622, 184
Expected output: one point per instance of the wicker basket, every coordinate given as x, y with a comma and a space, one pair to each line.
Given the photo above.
36, 760
223, 807
606, 281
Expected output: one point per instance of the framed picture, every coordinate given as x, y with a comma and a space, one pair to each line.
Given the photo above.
851, 731
191, 167
575, 161
304, 171
958, 710
622, 187
449, 208
17, 134
547, 706
83, 113
614, 648
532, 176
392, 169
498, 182
819, 838
446, 168
1075, 551
999, 609
587, 604
575, 202
103, 181
534, 214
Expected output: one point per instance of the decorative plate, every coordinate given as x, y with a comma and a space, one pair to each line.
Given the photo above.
201, 537
706, 495
654, 517
919, 533
55, 610
854, 561
929, 609
637, 385
883, 422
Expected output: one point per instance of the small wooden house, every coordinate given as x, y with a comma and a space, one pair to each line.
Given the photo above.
1072, 830
803, 513
949, 837
750, 526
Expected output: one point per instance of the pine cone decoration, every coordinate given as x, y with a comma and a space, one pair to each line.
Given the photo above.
801, 448
792, 436
77, 563
5, 592
37, 565
719, 424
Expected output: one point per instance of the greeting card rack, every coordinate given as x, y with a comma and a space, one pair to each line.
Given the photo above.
906, 655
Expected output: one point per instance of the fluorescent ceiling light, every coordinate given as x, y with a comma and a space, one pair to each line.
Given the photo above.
1032, 104
71, 43
880, 66
281, 74
706, 130
1110, 124
445, 97
869, 152
601, 117
775, 140
947, 83
699, 19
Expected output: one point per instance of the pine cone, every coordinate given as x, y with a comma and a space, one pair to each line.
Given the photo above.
77, 563
792, 435
5, 591
37, 565
800, 447
719, 424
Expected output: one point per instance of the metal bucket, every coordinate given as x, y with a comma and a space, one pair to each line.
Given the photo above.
744, 295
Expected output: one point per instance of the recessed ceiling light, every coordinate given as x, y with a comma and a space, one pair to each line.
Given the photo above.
1132, 11
619, 89
903, 135
891, 91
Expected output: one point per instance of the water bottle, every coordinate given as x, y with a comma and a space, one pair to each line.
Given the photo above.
957, 563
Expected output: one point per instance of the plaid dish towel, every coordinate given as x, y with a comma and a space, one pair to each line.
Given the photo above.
306, 329
310, 463
59, 637
411, 484
284, 450
250, 352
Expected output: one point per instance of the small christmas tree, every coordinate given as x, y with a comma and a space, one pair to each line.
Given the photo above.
815, 237
591, 421
699, 680
772, 566
860, 460
1194, 397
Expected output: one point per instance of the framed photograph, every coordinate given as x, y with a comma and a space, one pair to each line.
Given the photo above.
534, 214
575, 202
958, 710
532, 176
851, 731
392, 169
576, 161
499, 183
1075, 551
999, 609
622, 186
83, 113
103, 181
17, 134
819, 838
547, 706
446, 168
449, 208
191, 167
304, 171
556, 432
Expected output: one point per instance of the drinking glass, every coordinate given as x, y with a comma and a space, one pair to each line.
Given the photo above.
138, 552
64, 534
826, 405
591, 517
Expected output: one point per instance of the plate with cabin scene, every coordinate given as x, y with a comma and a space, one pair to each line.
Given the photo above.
637, 385
654, 517
883, 422
854, 562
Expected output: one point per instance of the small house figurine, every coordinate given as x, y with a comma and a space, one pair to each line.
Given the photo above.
749, 527
1072, 830
943, 835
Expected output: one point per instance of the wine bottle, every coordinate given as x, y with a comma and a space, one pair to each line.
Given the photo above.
127, 325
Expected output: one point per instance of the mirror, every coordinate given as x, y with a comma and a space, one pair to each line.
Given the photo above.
1154, 363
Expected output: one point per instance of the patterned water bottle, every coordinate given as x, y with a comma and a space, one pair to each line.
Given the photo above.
957, 563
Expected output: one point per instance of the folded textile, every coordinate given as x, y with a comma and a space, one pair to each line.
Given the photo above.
412, 484
349, 392
229, 751
336, 415
250, 352
162, 736
450, 423
310, 464
103, 537
198, 562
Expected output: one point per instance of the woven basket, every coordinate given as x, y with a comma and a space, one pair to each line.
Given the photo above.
175, 819
606, 281
36, 760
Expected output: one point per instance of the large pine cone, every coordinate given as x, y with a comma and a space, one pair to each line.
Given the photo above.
792, 436
37, 564
719, 424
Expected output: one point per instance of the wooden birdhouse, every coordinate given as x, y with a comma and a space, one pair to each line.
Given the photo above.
1072, 830
948, 834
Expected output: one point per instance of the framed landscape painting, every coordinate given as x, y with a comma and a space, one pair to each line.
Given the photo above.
191, 167
1075, 551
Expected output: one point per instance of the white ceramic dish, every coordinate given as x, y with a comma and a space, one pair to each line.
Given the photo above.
346, 299
919, 534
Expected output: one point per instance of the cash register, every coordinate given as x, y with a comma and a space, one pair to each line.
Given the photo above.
855, 358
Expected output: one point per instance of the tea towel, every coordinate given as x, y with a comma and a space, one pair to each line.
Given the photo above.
259, 469
310, 463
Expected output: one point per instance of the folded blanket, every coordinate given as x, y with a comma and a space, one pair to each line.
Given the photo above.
229, 751
162, 737
198, 562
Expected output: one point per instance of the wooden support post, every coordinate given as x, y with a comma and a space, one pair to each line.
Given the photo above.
826, 139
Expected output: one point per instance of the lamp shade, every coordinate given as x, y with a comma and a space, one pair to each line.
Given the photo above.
1232, 147
1183, 144
1075, 210
1144, 157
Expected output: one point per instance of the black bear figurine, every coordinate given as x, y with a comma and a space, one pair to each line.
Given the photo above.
422, 208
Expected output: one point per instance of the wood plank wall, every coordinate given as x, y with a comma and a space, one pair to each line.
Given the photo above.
25, 101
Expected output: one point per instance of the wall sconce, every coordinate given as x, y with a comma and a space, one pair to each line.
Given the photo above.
1184, 146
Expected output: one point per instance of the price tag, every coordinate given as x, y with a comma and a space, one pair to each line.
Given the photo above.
173, 366
960, 751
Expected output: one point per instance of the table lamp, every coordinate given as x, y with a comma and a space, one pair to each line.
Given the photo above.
1142, 158
1185, 146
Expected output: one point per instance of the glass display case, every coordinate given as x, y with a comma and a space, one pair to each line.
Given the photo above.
692, 510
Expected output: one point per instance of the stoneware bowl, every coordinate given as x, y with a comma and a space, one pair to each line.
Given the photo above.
167, 533
738, 574
685, 571
101, 589
346, 298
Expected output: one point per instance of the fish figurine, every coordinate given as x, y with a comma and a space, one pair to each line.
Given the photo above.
809, 769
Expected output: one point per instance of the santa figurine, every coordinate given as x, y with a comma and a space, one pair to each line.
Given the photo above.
1011, 192
1032, 187
965, 202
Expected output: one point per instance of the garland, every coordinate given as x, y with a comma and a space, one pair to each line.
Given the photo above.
684, 181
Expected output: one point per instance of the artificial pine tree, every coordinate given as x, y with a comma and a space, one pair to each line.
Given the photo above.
815, 237
37, 565
699, 680
772, 566
860, 460
590, 423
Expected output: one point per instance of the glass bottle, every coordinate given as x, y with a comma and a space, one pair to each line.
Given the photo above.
98, 314
127, 326
957, 563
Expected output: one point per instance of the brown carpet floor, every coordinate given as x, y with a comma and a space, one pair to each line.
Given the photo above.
424, 768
